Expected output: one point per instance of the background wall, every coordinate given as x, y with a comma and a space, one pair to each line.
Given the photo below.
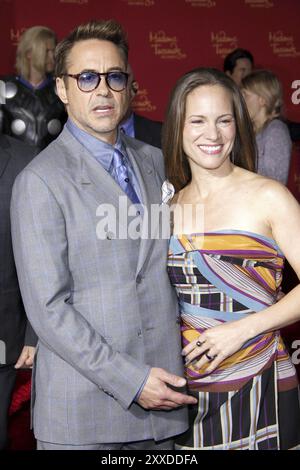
169, 37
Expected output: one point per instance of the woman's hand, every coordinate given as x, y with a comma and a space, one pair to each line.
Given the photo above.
215, 345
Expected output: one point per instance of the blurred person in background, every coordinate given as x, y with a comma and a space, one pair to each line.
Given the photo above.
238, 64
32, 111
263, 95
138, 126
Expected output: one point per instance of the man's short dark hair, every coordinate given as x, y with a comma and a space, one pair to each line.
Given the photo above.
107, 30
232, 58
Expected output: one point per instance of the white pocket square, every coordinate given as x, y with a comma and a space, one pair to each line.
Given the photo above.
168, 191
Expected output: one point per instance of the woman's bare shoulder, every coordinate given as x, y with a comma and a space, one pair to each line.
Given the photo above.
266, 192
259, 182
273, 195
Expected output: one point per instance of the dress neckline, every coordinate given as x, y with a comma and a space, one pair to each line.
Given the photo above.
229, 231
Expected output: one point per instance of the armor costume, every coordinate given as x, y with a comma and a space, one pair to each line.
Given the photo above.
32, 114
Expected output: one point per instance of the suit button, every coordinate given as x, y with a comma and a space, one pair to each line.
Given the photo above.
140, 333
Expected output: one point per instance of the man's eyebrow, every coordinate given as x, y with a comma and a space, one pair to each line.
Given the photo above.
111, 69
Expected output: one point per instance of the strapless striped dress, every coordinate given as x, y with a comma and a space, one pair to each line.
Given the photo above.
252, 400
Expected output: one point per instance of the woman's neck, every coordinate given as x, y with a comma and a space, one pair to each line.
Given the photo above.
206, 182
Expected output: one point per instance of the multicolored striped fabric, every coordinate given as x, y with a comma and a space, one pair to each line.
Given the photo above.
247, 401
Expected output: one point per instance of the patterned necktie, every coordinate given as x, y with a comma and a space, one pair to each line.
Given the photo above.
122, 176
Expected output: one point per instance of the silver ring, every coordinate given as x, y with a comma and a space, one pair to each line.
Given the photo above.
199, 343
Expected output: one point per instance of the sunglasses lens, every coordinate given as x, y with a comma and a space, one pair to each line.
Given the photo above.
117, 81
88, 81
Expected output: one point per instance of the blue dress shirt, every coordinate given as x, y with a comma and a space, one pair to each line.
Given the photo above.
103, 153
128, 126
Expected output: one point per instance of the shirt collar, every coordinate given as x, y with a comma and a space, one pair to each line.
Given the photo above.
102, 151
128, 126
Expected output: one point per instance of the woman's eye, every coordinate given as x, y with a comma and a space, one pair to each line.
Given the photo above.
226, 121
197, 121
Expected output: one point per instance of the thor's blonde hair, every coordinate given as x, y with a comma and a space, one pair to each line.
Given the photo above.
34, 41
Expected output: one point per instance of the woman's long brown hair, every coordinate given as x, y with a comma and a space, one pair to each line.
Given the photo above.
244, 149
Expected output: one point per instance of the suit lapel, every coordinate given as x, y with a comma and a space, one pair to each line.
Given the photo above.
88, 172
99, 184
95, 180
151, 194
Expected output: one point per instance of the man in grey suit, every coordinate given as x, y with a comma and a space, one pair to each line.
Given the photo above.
17, 339
109, 357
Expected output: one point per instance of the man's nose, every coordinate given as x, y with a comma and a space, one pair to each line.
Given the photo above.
102, 88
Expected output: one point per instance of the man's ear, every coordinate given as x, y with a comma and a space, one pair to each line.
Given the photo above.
228, 73
61, 90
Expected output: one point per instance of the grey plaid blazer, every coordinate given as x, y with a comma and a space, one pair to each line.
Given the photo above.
103, 309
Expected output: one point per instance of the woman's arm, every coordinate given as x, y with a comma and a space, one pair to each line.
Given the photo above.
281, 212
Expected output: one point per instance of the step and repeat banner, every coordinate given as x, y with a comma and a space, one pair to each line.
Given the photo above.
169, 37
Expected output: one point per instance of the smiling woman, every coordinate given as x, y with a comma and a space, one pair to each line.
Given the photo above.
208, 139
226, 268
234, 115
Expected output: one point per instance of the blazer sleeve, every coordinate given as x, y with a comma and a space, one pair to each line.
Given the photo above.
41, 254
31, 338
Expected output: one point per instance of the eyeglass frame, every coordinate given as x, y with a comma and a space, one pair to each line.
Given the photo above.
99, 74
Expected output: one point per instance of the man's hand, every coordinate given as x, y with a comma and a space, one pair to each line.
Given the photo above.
26, 357
156, 395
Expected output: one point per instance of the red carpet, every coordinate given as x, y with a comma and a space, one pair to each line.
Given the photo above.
20, 436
